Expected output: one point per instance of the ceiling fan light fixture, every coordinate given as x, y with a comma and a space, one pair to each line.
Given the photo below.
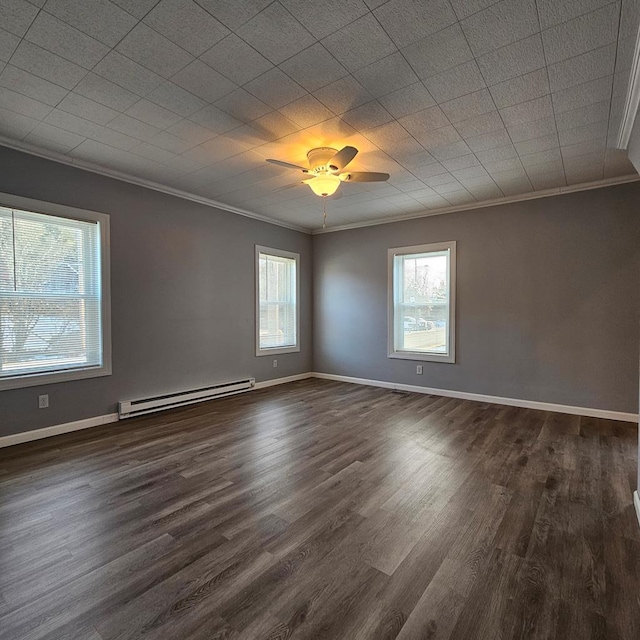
324, 185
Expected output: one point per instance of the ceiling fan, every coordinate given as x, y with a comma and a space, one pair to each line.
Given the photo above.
326, 173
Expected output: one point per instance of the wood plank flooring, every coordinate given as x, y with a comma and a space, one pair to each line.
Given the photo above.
324, 510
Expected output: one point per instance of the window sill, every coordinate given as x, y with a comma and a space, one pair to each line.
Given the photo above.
277, 350
39, 379
424, 357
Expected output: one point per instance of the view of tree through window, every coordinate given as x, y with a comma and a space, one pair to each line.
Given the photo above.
277, 290
50, 312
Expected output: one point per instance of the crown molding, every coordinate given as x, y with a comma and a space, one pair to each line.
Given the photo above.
533, 195
141, 182
632, 101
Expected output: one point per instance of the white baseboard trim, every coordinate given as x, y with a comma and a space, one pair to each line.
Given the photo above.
272, 383
478, 397
67, 427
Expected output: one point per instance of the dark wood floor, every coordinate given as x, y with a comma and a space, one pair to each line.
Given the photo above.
324, 510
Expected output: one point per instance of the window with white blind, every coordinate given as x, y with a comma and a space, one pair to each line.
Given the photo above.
422, 281
277, 294
53, 293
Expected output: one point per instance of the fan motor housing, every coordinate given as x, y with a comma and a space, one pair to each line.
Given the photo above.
319, 159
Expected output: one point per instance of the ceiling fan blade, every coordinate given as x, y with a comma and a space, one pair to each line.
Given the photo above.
342, 158
288, 165
364, 176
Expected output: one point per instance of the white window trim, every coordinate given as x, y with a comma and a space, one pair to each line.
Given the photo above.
281, 254
38, 206
416, 355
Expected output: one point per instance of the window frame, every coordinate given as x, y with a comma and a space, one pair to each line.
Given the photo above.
449, 357
62, 211
278, 253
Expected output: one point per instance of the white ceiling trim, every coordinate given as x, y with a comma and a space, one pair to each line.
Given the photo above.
533, 195
633, 99
141, 182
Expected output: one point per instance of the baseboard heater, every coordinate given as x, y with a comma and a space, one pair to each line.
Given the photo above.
131, 408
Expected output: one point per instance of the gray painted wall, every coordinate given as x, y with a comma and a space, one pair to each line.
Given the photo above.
548, 300
182, 283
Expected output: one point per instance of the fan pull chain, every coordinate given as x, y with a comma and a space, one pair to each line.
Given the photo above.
324, 212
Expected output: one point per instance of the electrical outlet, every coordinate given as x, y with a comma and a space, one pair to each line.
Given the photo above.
419, 369
43, 401
275, 363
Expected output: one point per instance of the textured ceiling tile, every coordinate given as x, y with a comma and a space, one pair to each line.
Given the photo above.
215, 150
584, 174
54, 35
476, 171
500, 25
16, 16
488, 141
386, 75
105, 92
359, 43
500, 166
343, 95
481, 193
513, 60
407, 100
314, 68
587, 32
236, 60
553, 166
541, 156
582, 95
594, 131
369, 115
449, 151
538, 144
588, 66
242, 106
49, 137
485, 123
153, 51
441, 51
169, 142
214, 119
274, 125
86, 108
456, 82
417, 124
323, 18
153, 114
8, 44
390, 136
468, 106
521, 89
447, 188
186, 24
461, 162
424, 165
527, 111
440, 179
409, 20
192, 132
31, 86
475, 183
265, 32
582, 148
573, 161
176, 99
142, 131
99, 19
232, 13
498, 153
14, 125
534, 129
203, 81
583, 116
23, 105
545, 181
306, 111
554, 12
465, 8
617, 163
458, 198
137, 8
275, 88
509, 176
128, 74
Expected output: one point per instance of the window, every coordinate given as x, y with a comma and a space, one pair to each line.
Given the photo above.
54, 312
277, 293
422, 283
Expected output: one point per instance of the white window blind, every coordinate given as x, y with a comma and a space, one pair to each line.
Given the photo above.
421, 301
50, 294
277, 312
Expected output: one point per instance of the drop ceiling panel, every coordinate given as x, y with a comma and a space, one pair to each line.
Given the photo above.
459, 100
